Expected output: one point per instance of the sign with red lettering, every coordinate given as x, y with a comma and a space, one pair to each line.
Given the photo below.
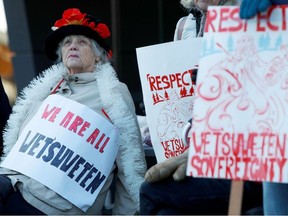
168, 91
67, 147
240, 117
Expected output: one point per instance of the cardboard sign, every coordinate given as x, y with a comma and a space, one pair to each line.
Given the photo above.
67, 147
240, 118
165, 73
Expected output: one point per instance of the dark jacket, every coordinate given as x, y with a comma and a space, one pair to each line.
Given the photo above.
5, 110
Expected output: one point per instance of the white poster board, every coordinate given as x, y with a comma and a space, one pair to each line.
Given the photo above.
67, 147
168, 92
240, 117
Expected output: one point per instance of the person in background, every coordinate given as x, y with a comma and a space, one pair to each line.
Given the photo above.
167, 190
5, 111
83, 72
274, 194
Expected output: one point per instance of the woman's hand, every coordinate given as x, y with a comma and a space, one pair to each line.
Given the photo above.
175, 166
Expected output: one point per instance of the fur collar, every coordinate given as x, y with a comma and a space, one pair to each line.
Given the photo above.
114, 105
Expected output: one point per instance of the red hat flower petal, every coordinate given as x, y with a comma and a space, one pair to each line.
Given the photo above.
73, 16
72, 12
103, 30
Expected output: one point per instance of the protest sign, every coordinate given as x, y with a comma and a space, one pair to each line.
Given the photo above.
239, 128
67, 147
166, 79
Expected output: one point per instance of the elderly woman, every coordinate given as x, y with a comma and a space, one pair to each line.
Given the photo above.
167, 190
85, 80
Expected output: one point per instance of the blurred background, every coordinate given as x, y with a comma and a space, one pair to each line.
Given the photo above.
24, 25
6, 65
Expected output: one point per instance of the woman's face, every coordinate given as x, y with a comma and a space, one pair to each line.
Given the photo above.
203, 4
77, 54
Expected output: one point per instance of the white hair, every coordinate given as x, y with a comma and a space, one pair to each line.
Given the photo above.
97, 50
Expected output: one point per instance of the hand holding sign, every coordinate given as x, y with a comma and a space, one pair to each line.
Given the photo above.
175, 166
250, 8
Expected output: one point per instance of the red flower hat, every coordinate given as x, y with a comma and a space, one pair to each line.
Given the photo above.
74, 22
